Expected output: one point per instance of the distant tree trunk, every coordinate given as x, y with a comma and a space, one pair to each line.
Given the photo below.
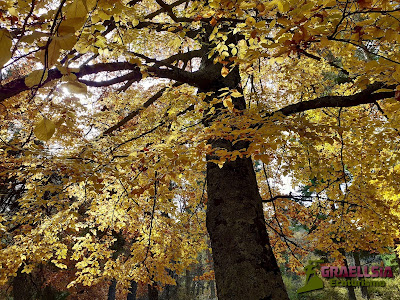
212, 289
397, 260
364, 289
152, 291
170, 292
350, 289
396, 243
112, 289
132, 291
188, 283
244, 264
199, 287
211, 283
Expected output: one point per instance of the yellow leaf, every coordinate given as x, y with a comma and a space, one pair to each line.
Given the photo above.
250, 21
228, 103
236, 94
53, 52
35, 78
260, 24
282, 6
5, 47
135, 22
396, 74
77, 9
75, 87
224, 71
28, 268
272, 24
65, 29
13, 11
329, 3
58, 264
103, 16
66, 42
30, 38
45, 129
75, 23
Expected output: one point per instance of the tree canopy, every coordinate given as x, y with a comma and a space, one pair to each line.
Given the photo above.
117, 115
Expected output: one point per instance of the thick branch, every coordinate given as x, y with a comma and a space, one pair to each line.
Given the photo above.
168, 10
163, 27
183, 56
132, 76
18, 85
162, 9
366, 96
308, 199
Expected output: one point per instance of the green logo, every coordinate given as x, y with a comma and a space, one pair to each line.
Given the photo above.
313, 282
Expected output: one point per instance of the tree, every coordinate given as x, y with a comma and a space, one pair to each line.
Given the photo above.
306, 88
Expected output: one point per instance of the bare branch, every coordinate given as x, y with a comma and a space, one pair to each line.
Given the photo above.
319, 59
134, 113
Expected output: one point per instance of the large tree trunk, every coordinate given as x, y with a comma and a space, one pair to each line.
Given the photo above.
245, 266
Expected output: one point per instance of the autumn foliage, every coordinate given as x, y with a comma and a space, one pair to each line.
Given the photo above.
109, 109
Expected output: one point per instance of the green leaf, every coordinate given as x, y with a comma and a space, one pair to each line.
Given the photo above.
45, 129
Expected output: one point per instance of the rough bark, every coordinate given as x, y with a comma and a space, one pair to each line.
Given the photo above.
244, 264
